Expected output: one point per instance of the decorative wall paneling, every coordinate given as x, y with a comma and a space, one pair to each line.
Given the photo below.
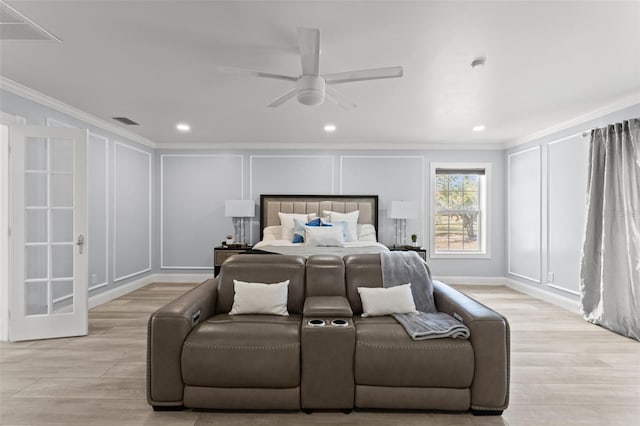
132, 211
392, 178
193, 189
524, 245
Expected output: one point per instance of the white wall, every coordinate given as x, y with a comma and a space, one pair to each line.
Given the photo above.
131, 211
524, 220
546, 207
193, 190
195, 183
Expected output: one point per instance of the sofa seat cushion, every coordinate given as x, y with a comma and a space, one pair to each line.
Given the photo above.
243, 351
387, 356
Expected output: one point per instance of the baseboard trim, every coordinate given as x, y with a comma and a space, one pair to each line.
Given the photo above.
119, 291
122, 290
182, 278
547, 296
472, 280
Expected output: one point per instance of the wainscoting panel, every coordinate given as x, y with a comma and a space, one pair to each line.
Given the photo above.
524, 210
567, 164
392, 178
132, 207
98, 223
288, 174
193, 190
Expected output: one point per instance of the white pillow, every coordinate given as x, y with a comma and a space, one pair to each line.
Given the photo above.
331, 236
385, 301
352, 222
258, 298
272, 233
366, 232
286, 220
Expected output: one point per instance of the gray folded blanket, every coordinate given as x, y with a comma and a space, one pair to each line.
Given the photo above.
402, 267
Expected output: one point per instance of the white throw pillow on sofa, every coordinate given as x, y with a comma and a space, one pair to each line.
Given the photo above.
259, 298
386, 301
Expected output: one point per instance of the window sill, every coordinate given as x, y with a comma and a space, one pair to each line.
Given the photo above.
459, 255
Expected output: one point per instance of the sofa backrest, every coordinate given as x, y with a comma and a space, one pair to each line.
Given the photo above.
262, 268
325, 276
361, 270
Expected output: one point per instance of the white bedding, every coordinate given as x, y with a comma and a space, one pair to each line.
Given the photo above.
287, 247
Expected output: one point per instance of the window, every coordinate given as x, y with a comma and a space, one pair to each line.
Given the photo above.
459, 220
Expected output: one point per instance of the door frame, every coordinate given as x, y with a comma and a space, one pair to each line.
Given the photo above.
5, 208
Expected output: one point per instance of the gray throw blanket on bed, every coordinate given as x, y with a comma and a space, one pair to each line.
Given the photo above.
402, 267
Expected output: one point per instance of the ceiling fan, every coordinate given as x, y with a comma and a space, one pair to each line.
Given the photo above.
311, 87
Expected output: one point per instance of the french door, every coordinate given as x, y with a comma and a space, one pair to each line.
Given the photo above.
48, 222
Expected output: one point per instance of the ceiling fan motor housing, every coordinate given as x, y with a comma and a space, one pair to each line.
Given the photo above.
310, 90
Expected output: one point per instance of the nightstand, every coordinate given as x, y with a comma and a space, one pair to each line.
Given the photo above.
422, 252
221, 253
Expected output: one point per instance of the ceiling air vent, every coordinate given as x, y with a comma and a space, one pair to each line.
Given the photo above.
125, 120
15, 26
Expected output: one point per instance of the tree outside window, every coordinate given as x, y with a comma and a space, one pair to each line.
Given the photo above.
458, 222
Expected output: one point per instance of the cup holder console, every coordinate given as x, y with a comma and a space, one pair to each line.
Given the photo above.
322, 323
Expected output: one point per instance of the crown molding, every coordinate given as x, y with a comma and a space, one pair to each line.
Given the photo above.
622, 103
331, 146
35, 96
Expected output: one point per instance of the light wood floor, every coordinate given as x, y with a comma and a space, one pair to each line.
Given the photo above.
564, 372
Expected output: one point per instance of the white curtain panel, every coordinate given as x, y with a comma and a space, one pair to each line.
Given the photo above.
610, 269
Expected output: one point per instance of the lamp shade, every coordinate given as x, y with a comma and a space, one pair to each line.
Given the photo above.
239, 208
403, 210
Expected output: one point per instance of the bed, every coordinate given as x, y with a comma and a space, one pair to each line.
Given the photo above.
356, 214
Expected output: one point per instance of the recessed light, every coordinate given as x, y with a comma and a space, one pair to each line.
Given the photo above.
329, 128
183, 127
478, 128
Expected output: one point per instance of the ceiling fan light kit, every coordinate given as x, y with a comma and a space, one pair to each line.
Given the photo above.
310, 90
311, 87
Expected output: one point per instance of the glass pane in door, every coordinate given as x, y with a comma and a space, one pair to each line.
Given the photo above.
36, 191
37, 226
36, 298
62, 261
49, 268
37, 262
36, 153
61, 155
62, 296
61, 190
62, 226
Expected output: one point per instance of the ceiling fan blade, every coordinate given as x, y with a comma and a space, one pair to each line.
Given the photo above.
242, 71
338, 98
361, 75
283, 98
309, 44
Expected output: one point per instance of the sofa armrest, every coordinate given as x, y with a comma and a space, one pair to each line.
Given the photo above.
167, 329
327, 306
490, 341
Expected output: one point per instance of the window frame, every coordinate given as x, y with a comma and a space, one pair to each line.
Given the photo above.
484, 206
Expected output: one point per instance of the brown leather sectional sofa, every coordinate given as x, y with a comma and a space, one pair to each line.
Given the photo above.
323, 355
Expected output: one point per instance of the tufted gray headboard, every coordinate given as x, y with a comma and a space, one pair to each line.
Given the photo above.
270, 205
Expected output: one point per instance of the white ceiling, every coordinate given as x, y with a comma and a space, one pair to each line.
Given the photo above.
155, 62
